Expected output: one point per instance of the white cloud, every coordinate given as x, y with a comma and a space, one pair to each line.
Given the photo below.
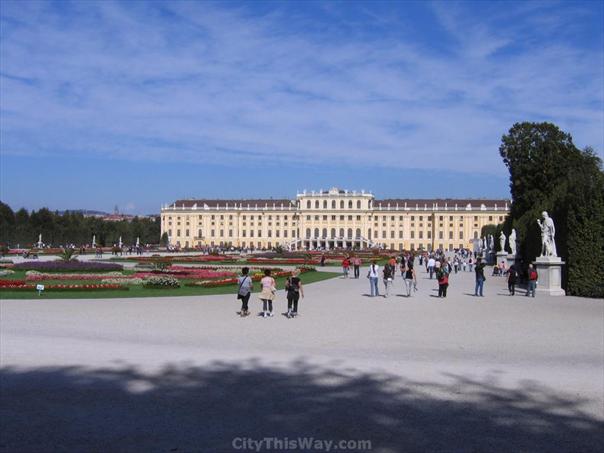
197, 82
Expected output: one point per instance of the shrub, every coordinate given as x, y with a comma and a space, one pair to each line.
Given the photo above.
161, 282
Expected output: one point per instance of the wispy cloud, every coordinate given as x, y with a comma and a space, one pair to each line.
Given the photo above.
204, 82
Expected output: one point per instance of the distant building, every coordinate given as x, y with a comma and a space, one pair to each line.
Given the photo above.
331, 219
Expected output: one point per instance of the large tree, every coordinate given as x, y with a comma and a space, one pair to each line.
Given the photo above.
548, 172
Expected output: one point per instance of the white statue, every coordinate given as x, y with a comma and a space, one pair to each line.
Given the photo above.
491, 243
502, 242
93, 240
40, 241
512, 241
120, 243
484, 243
548, 232
138, 241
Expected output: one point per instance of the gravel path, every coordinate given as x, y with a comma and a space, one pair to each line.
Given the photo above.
497, 373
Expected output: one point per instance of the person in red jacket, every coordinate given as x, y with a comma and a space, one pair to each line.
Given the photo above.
346, 266
533, 276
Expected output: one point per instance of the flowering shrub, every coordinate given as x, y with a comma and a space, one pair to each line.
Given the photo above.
6, 272
164, 281
74, 265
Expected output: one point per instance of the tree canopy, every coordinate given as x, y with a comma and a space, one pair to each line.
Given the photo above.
23, 228
549, 173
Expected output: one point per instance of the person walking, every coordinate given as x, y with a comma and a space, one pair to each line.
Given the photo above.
392, 263
245, 291
431, 264
443, 281
293, 285
356, 262
346, 266
480, 278
512, 277
533, 276
267, 295
373, 276
410, 280
388, 278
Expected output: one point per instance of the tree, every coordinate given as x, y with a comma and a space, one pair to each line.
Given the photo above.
7, 223
548, 173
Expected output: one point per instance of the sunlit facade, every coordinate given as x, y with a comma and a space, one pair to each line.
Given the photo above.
331, 219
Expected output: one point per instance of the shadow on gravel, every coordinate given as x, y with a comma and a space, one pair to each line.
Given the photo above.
189, 409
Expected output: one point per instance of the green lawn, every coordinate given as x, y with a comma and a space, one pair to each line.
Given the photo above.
139, 291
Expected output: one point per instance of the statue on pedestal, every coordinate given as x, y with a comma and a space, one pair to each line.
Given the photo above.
512, 241
548, 233
502, 242
491, 243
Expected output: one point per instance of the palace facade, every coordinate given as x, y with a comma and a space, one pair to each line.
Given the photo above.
330, 219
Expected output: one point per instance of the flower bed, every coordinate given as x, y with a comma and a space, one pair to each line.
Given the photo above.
282, 261
62, 266
40, 276
161, 282
86, 287
6, 272
255, 277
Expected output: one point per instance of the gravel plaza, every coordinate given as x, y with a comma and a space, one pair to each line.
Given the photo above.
497, 373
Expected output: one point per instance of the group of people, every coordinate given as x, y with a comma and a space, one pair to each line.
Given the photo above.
268, 293
388, 273
347, 262
440, 267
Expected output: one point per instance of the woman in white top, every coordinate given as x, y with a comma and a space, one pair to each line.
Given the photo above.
269, 288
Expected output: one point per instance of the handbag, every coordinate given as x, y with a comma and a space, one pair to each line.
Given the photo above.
239, 295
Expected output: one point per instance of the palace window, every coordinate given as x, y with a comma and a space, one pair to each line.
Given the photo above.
324, 204
350, 204
358, 204
342, 204
212, 233
349, 217
333, 204
186, 232
317, 204
308, 204
461, 235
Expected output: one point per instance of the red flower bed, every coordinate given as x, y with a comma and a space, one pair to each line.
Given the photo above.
4, 283
282, 261
95, 287
256, 278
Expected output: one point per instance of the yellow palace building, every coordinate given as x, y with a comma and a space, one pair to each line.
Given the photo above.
330, 219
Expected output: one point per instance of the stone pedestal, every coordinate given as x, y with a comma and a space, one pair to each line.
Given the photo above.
549, 269
502, 256
511, 259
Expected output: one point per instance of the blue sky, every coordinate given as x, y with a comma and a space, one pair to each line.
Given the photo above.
140, 103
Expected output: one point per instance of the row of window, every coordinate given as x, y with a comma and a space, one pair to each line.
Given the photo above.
334, 204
